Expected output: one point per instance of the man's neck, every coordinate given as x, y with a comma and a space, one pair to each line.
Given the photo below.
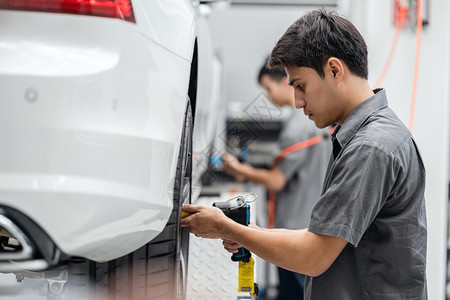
359, 90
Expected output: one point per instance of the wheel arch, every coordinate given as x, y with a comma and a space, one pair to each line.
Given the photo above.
193, 79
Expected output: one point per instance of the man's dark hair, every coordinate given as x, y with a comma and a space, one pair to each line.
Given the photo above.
275, 73
317, 36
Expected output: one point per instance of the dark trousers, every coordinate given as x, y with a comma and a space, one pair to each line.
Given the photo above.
291, 285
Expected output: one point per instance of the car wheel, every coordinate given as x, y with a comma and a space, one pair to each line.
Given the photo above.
155, 271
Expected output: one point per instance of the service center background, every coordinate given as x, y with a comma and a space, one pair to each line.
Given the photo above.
244, 35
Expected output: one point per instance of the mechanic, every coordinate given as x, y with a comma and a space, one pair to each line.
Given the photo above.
296, 179
367, 237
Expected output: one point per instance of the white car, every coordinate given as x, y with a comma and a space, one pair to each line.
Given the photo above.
98, 105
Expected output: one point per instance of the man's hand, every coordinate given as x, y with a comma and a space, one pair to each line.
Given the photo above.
272, 179
205, 221
301, 251
232, 165
231, 246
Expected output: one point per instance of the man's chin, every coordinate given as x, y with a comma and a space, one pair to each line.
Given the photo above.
319, 125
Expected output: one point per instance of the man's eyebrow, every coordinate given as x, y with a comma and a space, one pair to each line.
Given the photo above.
291, 83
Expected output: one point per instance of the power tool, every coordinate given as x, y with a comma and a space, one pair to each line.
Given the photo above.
238, 210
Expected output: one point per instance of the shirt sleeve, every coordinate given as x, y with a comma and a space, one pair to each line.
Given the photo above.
358, 186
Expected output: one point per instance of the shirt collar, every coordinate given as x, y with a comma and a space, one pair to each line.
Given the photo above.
343, 133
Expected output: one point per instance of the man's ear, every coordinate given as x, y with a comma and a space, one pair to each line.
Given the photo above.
334, 68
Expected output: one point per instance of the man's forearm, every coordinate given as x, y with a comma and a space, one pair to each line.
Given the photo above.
268, 178
290, 249
283, 230
254, 175
298, 250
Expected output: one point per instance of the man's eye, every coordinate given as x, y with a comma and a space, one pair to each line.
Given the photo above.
300, 87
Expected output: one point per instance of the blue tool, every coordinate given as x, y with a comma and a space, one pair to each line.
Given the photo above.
217, 159
238, 209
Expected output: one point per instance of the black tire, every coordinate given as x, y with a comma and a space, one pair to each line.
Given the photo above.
156, 270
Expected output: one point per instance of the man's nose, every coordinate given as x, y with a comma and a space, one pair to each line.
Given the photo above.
299, 99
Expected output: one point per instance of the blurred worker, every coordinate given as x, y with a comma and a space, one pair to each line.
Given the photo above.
297, 178
367, 237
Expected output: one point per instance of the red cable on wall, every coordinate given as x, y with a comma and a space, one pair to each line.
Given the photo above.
398, 29
416, 65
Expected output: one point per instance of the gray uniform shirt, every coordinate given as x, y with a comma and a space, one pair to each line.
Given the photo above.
373, 197
304, 171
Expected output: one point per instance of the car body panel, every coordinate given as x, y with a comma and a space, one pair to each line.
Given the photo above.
208, 101
91, 117
169, 23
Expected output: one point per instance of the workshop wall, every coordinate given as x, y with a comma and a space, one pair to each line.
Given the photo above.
244, 35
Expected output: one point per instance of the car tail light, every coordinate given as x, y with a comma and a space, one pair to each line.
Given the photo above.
120, 9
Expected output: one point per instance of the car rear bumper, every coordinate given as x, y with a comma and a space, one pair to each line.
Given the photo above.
90, 126
86, 217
